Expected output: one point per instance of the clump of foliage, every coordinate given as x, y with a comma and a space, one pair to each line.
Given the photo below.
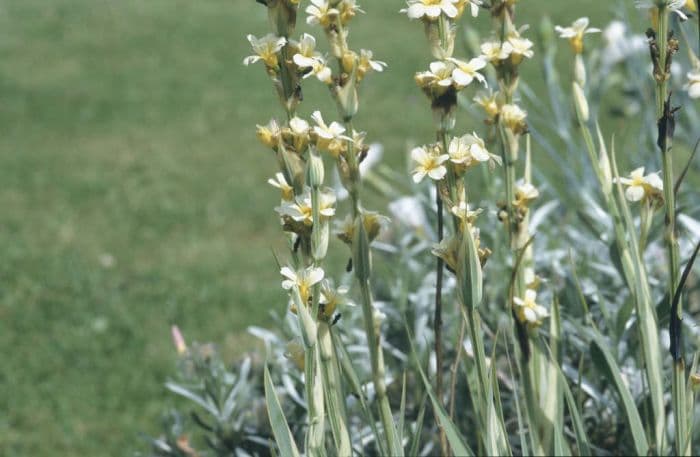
499, 311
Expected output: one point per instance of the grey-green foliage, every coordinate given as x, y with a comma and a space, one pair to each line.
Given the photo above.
600, 371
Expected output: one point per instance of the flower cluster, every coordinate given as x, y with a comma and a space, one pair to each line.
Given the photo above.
575, 33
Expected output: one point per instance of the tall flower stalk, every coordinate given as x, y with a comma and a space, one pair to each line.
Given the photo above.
305, 211
506, 50
447, 162
662, 47
334, 16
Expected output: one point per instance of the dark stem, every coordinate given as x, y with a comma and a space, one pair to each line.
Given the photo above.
437, 321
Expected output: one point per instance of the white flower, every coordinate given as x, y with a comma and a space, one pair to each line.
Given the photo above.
514, 117
279, 182
332, 297
320, 12
307, 57
266, 49
693, 85
439, 77
466, 215
521, 47
431, 9
365, 63
495, 51
468, 150
640, 186
465, 72
298, 126
328, 132
473, 6
524, 193
301, 210
673, 5
576, 32
528, 311
429, 163
577, 29
303, 279
329, 137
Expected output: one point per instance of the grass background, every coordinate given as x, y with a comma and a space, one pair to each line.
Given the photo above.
133, 196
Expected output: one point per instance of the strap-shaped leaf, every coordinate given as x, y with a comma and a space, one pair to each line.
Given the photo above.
612, 371
280, 428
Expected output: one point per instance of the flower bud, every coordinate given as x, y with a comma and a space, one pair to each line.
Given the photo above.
346, 97
581, 103
315, 170
307, 325
295, 353
695, 382
580, 70
320, 236
360, 251
325, 341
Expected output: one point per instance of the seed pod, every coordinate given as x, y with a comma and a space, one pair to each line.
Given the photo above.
320, 236
360, 251
581, 103
315, 170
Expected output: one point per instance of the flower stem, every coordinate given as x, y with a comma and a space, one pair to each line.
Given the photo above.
437, 320
676, 323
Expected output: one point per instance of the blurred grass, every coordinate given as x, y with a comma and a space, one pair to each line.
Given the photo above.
133, 196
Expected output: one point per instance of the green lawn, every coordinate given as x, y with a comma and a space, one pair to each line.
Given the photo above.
133, 196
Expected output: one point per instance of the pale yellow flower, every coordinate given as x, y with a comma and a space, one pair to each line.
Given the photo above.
279, 182
575, 33
640, 186
438, 79
466, 72
297, 134
307, 58
488, 102
521, 48
693, 84
348, 9
468, 150
332, 297
300, 209
365, 64
266, 49
464, 214
295, 352
494, 51
673, 6
269, 134
329, 138
473, 6
513, 117
429, 163
302, 279
431, 9
320, 12
525, 192
527, 309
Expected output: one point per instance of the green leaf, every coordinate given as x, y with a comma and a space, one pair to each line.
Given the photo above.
469, 272
414, 443
612, 371
457, 443
283, 436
